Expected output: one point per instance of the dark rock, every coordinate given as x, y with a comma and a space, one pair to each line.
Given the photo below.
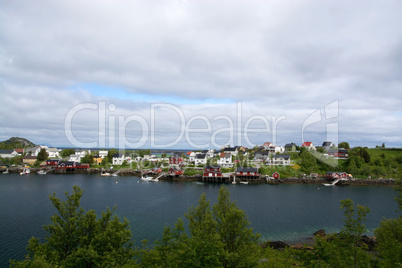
277, 244
320, 233
369, 241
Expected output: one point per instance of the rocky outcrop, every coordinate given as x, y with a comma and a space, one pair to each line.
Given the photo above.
320, 233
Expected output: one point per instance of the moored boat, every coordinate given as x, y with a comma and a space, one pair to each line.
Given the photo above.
25, 171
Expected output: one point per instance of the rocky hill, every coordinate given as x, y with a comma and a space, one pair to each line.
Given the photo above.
16, 142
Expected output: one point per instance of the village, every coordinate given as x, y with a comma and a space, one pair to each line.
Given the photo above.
230, 164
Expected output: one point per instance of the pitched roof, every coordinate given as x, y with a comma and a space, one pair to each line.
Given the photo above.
29, 157
6, 151
266, 144
307, 144
225, 155
283, 156
246, 169
290, 144
326, 143
212, 167
200, 156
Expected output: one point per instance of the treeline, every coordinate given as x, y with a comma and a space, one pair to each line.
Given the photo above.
210, 236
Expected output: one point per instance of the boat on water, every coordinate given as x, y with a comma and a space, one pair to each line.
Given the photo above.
41, 172
148, 178
113, 175
105, 174
244, 182
333, 183
25, 171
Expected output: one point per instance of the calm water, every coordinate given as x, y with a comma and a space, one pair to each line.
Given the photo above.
277, 212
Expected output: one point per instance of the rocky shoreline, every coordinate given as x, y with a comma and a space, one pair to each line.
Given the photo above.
309, 243
291, 180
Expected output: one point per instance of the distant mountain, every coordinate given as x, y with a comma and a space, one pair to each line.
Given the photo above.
16, 142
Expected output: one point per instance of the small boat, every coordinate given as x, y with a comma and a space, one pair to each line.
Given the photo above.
42, 172
105, 174
244, 182
5, 172
25, 171
113, 175
333, 183
146, 178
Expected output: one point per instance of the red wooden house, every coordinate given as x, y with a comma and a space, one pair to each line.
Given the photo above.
175, 171
212, 171
52, 162
175, 160
341, 153
156, 170
81, 166
247, 172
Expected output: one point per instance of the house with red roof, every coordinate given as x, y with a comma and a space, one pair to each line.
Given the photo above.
20, 151
308, 145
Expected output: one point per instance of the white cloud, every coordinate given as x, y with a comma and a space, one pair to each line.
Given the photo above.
277, 58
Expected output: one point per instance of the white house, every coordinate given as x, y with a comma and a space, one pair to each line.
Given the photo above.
8, 153
75, 158
82, 152
119, 158
261, 156
53, 152
327, 145
225, 160
279, 159
200, 159
191, 157
34, 151
209, 153
308, 145
103, 153
230, 150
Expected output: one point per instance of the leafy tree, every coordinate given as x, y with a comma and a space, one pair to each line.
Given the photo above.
88, 158
67, 152
42, 155
344, 249
233, 227
389, 236
320, 150
344, 145
308, 161
110, 154
79, 239
220, 237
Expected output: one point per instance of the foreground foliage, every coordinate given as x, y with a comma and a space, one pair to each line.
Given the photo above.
80, 239
217, 236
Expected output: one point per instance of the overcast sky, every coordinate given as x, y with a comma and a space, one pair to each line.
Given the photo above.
196, 74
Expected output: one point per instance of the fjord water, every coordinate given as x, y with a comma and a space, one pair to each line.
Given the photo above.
289, 212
